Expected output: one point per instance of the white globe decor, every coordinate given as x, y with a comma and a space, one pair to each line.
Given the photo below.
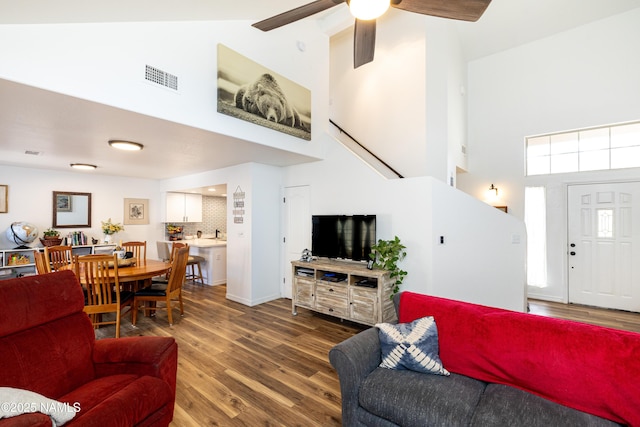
22, 233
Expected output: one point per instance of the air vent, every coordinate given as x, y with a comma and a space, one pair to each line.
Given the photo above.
160, 77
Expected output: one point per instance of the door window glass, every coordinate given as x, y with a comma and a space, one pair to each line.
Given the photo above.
605, 223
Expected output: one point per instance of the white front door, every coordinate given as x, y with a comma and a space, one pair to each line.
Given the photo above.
297, 230
603, 253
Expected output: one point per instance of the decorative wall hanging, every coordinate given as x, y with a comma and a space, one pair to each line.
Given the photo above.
136, 211
251, 92
238, 206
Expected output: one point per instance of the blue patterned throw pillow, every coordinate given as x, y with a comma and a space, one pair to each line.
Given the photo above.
412, 346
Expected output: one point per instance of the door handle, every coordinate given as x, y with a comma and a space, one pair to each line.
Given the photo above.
572, 253
573, 245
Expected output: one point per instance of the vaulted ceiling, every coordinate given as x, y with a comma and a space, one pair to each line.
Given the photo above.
24, 109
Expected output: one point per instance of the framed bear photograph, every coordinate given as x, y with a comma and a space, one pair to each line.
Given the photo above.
248, 91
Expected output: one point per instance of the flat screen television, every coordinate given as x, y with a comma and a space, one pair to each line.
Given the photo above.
343, 236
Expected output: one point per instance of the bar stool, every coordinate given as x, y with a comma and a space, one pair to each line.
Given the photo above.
194, 261
191, 275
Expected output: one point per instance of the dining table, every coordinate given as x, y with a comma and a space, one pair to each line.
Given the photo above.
133, 272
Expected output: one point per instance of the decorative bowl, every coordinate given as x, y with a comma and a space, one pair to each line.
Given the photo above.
51, 241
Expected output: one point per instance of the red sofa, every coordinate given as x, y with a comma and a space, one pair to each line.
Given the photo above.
48, 346
589, 368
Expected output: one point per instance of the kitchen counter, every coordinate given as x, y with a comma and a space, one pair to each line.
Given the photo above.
214, 252
203, 243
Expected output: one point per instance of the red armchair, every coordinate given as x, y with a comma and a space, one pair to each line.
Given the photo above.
48, 346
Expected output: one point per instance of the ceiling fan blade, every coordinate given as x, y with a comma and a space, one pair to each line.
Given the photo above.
364, 42
296, 14
463, 10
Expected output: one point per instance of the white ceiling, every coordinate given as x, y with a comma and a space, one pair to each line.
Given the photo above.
63, 129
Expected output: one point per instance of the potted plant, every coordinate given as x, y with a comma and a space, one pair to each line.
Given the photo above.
386, 254
51, 237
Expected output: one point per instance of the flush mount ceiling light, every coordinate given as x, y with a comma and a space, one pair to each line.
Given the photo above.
126, 145
368, 9
83, 166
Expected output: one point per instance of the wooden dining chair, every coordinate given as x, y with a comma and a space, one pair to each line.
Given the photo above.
164, 279
139, 250
193, 262
103, 289
174, 247
42, 266
58, 256
164, 293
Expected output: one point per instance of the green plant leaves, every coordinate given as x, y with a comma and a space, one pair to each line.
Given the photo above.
386, 254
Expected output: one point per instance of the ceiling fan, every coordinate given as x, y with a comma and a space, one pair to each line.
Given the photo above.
365, 26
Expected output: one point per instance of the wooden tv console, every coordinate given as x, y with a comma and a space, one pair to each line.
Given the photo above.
344, 289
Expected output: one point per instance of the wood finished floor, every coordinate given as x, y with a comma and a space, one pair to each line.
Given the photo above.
616, 319
249, 366
261, 366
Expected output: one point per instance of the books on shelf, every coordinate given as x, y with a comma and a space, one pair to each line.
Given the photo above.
76, 238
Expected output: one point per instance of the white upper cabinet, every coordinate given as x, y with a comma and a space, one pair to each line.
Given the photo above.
184, 207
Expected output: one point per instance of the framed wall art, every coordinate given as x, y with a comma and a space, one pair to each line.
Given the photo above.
63, 202
4, 198
136, 211
248, 91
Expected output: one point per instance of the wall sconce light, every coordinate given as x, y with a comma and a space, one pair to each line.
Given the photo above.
492, 192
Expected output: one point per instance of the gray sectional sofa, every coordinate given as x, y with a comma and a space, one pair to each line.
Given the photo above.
518, 370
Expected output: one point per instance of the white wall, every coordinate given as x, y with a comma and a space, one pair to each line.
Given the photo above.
483, 257
411, 91
105, 63
31, 198
477, 263
382, 104
580, 78
445, 113
253, 246
404, 207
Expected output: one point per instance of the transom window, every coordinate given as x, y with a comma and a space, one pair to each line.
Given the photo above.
608, 147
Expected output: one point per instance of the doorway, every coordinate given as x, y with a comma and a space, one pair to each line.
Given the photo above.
603, 245
297, 230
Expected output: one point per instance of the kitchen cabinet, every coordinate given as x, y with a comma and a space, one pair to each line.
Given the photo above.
183, 207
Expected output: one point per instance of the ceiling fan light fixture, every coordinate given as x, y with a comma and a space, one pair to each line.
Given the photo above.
368, 9
83, 166
126, 145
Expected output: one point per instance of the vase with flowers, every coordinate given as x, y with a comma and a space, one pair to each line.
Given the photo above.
109, 228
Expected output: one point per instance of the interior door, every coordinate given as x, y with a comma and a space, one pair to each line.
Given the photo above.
297, 227
603, 233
